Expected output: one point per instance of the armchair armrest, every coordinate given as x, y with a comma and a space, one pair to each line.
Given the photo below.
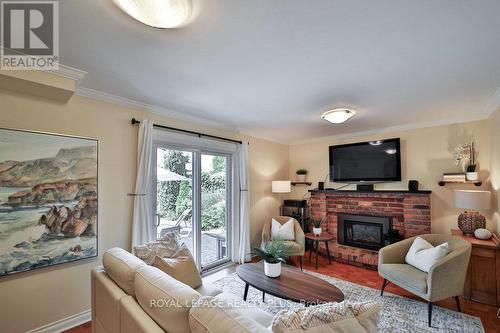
300, 238
447, 277
395, 253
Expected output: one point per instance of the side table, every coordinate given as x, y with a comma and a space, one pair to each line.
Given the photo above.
482, 283
324, 237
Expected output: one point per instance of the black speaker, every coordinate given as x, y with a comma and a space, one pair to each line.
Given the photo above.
321, 186
413, 185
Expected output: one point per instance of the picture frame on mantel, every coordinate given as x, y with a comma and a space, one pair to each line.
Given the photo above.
48, 199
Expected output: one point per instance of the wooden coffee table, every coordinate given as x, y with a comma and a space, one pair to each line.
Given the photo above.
292, 284
324, 237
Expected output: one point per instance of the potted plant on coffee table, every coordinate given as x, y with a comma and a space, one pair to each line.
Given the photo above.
317, 223
301, 175
273, 253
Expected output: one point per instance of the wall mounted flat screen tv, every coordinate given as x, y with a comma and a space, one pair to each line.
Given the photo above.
373, 161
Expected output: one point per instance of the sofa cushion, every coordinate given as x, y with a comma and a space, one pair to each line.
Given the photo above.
423, 255
211, 314
180, 266
208, 289
121, 265
330, 317
406, 276
260, 316
164, 299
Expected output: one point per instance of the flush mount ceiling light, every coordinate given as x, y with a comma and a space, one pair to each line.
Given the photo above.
157, 13
338, 116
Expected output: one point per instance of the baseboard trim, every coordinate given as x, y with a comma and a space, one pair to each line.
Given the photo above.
64, 324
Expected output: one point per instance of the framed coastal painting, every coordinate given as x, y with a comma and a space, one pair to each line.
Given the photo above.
48, 200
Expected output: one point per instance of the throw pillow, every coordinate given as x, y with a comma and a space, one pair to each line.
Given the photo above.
283, 231
330, 317
180, 266
423, 255
164, 247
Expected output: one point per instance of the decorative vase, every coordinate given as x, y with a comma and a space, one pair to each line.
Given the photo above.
272, 270
317, 231
468, 222
472, 176
301, 178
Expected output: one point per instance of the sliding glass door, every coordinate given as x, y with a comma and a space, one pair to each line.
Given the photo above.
174, 199
193, 201
214, 212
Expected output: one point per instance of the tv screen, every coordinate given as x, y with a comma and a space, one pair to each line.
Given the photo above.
373, 161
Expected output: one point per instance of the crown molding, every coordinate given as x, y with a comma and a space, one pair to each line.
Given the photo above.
65, 71
68, 72
133, 104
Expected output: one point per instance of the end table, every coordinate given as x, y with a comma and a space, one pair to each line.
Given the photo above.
324, 237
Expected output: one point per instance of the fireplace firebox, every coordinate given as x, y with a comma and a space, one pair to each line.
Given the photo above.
363, 231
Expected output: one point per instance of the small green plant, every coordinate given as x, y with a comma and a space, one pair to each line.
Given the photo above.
301, 172
316, 223
273, 252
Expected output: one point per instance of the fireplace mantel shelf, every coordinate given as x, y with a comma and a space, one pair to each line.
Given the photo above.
373, 192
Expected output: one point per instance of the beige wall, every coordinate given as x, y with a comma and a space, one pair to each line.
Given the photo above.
268, 162
494, 122
33, 299
426, 154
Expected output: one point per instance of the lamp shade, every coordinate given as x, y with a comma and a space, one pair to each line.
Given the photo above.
476, 200
281, 186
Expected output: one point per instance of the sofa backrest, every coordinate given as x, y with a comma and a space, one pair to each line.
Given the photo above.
121, 265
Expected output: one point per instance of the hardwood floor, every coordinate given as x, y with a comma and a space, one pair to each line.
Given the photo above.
369, 278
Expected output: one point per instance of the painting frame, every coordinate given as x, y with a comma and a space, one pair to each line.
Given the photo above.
97, 227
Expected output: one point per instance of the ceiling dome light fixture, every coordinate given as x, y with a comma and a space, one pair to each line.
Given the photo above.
338, 116
157, 13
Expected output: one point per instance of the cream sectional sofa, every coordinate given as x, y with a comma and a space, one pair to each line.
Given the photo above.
129, 296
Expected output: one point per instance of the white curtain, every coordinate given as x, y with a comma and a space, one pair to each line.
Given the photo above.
244, 252
142, 224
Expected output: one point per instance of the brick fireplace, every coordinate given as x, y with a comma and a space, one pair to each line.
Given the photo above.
409, 213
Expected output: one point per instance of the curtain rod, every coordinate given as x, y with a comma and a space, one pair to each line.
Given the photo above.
135, 121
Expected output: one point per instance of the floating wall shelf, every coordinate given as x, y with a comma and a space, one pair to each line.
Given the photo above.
302, 183
475, 182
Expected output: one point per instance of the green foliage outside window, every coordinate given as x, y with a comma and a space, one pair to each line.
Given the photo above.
174, 197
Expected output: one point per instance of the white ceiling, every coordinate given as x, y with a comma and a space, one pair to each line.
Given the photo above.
271, 67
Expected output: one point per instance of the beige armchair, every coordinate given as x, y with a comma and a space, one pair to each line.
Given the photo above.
297, 247
445, 279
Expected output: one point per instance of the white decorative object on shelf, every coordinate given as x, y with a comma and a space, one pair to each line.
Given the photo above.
272, 270
482, 233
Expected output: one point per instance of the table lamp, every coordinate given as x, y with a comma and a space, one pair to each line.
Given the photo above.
472, 201
281, 186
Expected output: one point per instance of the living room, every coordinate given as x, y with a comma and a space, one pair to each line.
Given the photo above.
224, 153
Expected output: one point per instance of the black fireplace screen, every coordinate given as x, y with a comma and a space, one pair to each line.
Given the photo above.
369, 234
363, 231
